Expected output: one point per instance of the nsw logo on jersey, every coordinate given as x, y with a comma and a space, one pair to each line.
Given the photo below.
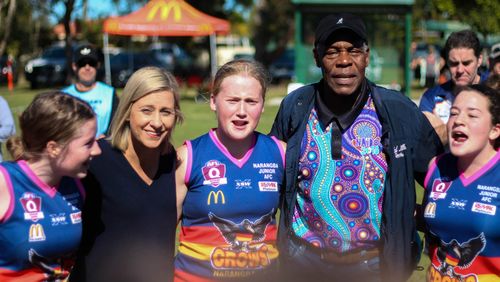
439, 189
214, 173
58, 219
457, 204
32, 206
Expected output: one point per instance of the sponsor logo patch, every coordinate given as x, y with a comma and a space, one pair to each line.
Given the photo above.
32, 206
36, 233
458, 204
76, 217
268, 186
58, 219
439, 189
243, 184
214, 173
430, 210
484, 208
214, 196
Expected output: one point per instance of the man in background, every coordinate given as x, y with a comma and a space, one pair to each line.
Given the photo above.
495, 60
463, 58
101, 97
7, 125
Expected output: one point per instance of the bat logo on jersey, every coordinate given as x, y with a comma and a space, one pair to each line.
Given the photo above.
214, 173
32, 206
439, 189
44, 264
241, 254
453, 254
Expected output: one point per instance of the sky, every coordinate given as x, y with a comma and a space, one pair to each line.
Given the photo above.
95, 9
102, 8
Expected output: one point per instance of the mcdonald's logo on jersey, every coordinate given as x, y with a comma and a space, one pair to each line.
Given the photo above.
430, 210
214, 173
36, 233
214, 197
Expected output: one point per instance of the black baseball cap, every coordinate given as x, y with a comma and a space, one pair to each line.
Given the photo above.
86, 52
332, 23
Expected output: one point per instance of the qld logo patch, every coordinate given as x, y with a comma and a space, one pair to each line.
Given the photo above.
439, 189
32, 206
214, 173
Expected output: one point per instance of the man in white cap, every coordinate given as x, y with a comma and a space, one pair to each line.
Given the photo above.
495, 60
101, 97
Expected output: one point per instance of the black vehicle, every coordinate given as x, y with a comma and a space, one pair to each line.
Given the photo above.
124, 64
174, 59
283, 68
49, 69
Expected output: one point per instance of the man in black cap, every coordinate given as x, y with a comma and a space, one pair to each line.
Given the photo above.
354, 150
101, 97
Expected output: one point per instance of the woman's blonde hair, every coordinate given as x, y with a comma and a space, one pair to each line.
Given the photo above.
250, 68
51, 116
144, 81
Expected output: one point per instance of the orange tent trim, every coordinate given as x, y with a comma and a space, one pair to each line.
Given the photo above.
166, 18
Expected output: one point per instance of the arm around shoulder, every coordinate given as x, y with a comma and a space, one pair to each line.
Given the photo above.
426, 102
428, 145
5, 196
180, 175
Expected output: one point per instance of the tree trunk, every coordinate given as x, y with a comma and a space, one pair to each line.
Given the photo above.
8, 22
67, 29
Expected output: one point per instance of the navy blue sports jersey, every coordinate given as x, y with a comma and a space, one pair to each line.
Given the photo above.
463, 217
228, 224
41, 231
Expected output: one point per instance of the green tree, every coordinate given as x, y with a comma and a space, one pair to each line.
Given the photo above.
482, 15
6, 23
272, 27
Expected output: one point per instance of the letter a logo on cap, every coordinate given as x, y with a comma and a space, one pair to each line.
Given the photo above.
340, 21
85, 51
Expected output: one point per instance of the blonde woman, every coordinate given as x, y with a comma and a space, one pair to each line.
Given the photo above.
130, 215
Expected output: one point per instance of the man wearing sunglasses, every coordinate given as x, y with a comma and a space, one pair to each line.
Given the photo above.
99, 95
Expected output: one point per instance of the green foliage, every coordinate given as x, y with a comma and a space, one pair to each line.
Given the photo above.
272, 27
482, 15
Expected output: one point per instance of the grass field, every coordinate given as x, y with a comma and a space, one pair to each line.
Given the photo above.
197, 120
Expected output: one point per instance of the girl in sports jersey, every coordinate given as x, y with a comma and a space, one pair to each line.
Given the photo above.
462, 209
40, 194
228, 184
129, 218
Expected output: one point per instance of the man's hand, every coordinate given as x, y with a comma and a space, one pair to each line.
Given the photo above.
439, 126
